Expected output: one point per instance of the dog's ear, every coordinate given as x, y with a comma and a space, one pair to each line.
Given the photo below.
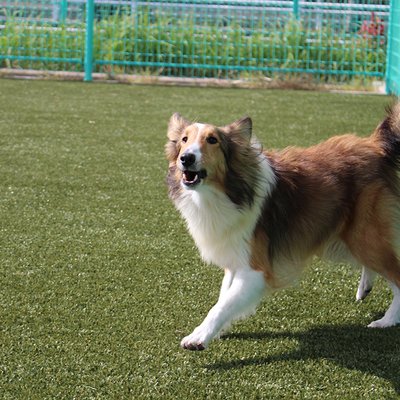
242, 127
175, 128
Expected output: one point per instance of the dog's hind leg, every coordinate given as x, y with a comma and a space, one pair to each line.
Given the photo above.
366, 282
392, 315
372, 239
384, 260
239, 299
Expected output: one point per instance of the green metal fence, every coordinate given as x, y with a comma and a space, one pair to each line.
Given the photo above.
393, 53
319, 40
42, 35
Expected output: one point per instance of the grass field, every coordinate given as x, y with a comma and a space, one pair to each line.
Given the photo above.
99, 279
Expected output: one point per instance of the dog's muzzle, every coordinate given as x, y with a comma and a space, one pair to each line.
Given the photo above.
191, 176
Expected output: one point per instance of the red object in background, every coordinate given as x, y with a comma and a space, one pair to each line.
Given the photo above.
373, 27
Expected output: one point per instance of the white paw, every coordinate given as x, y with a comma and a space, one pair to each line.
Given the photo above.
197, 340
363, 292
383, 323
366, 283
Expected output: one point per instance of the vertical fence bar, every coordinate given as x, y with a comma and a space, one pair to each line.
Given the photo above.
63, 11
88, 63
393, 51
389, 49
296, 8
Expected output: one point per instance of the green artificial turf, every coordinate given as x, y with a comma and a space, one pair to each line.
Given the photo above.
99, 279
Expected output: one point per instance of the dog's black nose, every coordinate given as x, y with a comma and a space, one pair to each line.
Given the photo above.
188, 159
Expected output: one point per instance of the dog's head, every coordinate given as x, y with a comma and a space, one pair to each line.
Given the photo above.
202, 152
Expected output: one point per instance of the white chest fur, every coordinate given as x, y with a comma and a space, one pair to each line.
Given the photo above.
221, 230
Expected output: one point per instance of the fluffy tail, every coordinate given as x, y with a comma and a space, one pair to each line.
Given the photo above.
388, 135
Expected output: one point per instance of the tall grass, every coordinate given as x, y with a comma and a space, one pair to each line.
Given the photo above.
168, 45
26, 45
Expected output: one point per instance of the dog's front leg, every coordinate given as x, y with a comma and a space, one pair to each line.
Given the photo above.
226, 282
238, 300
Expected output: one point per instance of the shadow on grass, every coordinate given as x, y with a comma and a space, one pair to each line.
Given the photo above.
372, 351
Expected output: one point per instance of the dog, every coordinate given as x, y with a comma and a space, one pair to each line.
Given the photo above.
260, 215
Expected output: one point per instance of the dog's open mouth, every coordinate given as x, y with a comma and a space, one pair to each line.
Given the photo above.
192, 178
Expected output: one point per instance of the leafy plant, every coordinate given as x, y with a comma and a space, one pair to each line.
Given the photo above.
180, 45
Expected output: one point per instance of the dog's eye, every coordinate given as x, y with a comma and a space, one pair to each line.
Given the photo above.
184, 139
212, 140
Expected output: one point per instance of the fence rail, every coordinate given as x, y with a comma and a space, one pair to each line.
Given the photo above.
320, 41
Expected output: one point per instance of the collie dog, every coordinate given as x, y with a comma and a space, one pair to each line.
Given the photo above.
260, 215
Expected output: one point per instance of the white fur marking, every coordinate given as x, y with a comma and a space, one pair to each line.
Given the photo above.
366, 283
241, 299
221, 231
199, 127
194, 149
392, 315
226, 283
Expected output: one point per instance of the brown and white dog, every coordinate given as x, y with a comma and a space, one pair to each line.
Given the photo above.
261, 215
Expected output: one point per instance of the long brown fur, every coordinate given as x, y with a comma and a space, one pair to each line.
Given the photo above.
341, 195
262, 215
342, 191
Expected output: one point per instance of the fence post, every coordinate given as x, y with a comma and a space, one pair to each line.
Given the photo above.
88, 63
393, 50
296, 8
63, 11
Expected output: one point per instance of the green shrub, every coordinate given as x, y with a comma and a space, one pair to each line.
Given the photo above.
168, 45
